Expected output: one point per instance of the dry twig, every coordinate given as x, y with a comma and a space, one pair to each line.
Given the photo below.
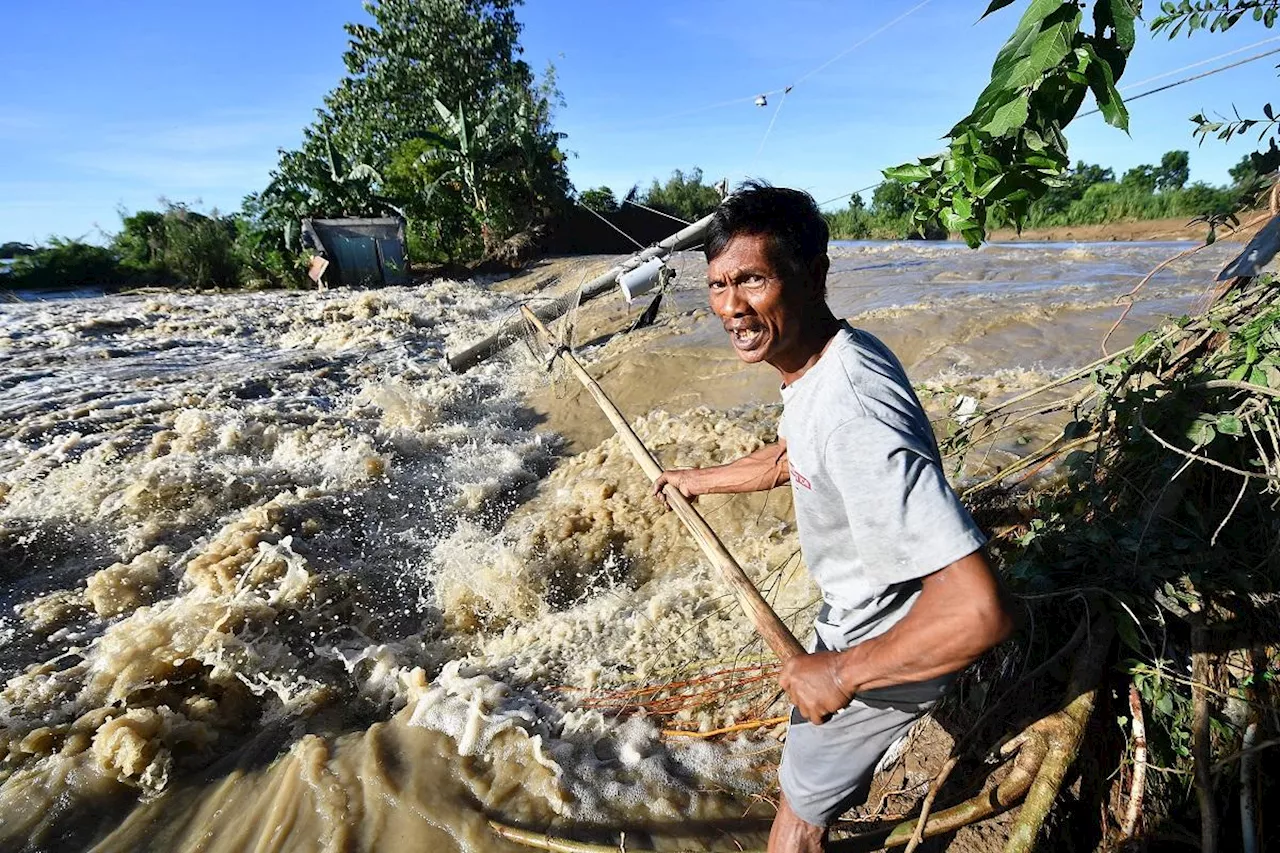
1200, 745
1139, 786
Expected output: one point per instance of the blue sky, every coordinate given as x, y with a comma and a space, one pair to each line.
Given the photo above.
113, 105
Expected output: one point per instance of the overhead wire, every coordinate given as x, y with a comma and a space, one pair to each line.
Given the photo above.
655, 210
597, 215
787, 90
850, 194
782, 90
1190, 79
1220, 56
1141, 95
842, 54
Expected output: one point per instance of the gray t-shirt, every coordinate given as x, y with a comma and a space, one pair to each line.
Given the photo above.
874, 510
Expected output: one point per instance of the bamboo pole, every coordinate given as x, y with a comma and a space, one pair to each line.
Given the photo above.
598, 286
771, 628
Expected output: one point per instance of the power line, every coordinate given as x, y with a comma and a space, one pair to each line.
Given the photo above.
838, 56
850, 194
1198, 64
784, 90
842, 54
655, 210
1200, 76
594, 213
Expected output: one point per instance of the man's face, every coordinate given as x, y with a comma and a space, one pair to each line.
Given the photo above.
762, 314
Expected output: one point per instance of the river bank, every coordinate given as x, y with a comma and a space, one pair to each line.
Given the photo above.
1174, 228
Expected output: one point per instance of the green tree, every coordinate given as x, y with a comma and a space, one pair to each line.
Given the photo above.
1059, 196
65, 263
683, 195
456, 51
446, 73
889, 200
179, 245
1200, 199
1174, 171
599, 199
1011, 149
1140, 179
199, 249
141, 240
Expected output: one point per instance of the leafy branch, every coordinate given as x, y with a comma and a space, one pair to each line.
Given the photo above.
1212, 15
1225, 130
1010, 149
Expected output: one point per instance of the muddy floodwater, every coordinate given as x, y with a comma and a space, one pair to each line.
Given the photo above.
273, 578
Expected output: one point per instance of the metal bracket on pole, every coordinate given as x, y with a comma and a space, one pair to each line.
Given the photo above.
598, 286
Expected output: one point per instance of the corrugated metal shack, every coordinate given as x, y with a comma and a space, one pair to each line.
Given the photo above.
360, 252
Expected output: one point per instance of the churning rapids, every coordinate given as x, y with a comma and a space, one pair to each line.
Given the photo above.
273, 578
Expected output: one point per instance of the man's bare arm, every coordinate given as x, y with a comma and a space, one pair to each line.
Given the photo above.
760, 471
957, 618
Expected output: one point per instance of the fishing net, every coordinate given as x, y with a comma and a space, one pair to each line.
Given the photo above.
543, 349
566, 308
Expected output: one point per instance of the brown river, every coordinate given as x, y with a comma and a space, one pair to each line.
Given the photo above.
273, 578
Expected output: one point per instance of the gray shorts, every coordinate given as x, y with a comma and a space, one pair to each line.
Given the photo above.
827, 769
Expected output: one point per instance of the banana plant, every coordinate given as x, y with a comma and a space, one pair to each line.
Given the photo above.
464, 146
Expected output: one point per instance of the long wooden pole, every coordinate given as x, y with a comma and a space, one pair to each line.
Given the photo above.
780, 639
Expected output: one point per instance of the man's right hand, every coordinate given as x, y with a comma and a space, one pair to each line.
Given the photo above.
685, 480
763, 469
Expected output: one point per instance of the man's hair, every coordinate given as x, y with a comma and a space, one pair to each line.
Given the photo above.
791, 220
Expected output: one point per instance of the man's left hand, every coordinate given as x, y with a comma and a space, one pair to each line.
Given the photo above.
813, 683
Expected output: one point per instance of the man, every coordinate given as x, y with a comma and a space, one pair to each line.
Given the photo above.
909, 599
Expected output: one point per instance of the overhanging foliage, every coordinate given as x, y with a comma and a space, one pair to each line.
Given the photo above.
1010, 149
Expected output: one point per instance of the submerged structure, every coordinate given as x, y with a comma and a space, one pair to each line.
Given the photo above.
360, 252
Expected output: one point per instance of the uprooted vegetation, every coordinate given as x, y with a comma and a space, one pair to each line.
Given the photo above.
1166, 525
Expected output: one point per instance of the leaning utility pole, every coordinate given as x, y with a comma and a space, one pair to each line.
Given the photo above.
499, 340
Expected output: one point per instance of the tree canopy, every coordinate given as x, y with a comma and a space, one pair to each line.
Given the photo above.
438, 119
683, 195
599, 199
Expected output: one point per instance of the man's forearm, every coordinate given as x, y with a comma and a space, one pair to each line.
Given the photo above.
758, 471
958, 617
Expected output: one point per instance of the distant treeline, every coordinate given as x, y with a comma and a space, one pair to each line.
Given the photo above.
1087, 195
683, 195
174, 246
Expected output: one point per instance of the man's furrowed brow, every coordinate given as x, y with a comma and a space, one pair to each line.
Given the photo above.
738, 274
